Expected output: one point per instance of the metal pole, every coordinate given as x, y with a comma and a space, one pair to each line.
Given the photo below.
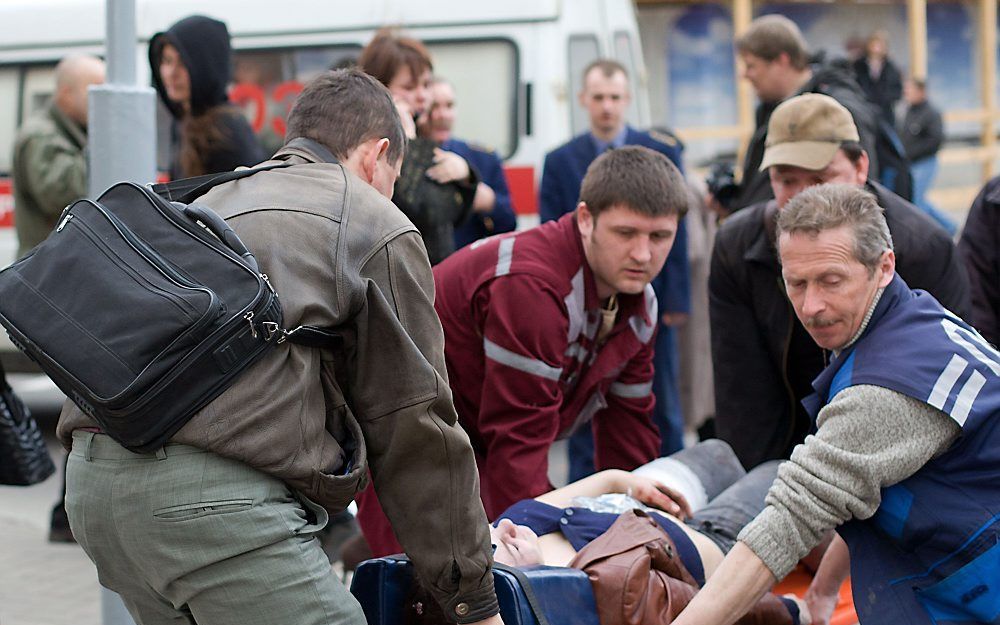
988, 81
122, 114
121, 38
121, 146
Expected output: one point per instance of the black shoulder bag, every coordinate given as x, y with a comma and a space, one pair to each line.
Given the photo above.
141, 315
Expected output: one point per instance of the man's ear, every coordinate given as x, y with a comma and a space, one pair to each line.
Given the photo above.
371, 151
887, 267
584, 219
861, 167
382, 148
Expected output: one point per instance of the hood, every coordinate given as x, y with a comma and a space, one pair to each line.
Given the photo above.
830, 75
203, 44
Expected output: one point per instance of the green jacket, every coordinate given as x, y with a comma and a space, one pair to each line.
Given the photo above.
49, 172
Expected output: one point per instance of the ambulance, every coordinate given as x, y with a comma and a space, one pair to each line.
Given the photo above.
516, 65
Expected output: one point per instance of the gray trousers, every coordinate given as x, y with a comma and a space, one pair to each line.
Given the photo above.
735, 497
186, 536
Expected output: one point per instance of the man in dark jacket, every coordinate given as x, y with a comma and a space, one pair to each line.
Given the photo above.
776, 63
879, 77
922, 133
980, 250
764, 359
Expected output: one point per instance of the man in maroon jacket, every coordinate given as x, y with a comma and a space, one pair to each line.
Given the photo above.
551, 327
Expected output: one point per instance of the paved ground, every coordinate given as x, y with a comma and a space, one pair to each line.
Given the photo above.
42, 583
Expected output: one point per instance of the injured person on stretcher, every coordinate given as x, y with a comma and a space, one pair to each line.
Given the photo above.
646, 564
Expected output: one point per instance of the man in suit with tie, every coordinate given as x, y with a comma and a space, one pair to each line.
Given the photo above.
605, 96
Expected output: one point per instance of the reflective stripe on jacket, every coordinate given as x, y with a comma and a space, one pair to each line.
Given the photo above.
931, 552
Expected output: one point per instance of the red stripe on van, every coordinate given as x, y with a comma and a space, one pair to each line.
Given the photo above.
6, 203
521, 182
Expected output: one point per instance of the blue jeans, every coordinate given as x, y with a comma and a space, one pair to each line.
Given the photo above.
924, 171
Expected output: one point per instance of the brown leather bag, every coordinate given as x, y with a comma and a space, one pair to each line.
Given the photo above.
639, 579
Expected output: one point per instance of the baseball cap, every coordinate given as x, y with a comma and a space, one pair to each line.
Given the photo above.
806, 131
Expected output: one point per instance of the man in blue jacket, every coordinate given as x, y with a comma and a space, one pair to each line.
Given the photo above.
606, 97
492, 210
904, 457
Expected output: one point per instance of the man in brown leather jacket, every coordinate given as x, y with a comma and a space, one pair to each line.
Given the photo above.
219, 526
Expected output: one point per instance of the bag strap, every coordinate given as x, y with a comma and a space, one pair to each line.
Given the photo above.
521, 578
186, 190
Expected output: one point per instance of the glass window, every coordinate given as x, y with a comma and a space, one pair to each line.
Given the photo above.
39, 85
582, 50
8, 115
625, 54
484, 74
266, 83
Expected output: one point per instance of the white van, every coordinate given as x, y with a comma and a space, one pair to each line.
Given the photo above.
515, 64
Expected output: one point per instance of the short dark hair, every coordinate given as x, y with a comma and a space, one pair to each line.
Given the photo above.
387, 53
637, 177
770, 36
342, 109
607, 67
852, 150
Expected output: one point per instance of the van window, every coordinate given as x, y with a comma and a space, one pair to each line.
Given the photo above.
266, 83
582, 50
624, 52
484, 74
8, 115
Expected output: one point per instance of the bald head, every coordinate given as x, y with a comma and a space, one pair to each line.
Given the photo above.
74, 74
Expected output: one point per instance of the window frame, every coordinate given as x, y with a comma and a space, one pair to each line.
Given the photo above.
578, 119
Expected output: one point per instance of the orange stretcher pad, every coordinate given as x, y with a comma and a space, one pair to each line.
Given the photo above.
798, 582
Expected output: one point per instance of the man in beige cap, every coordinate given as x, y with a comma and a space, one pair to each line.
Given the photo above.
777, 63
763, 358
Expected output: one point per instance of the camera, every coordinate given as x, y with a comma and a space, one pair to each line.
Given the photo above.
721, 183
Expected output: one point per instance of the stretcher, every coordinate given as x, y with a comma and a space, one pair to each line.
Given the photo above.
541, 595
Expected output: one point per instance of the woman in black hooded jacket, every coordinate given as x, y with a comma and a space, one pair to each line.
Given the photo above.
191, 69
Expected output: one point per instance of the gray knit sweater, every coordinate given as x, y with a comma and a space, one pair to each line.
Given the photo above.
868, 438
